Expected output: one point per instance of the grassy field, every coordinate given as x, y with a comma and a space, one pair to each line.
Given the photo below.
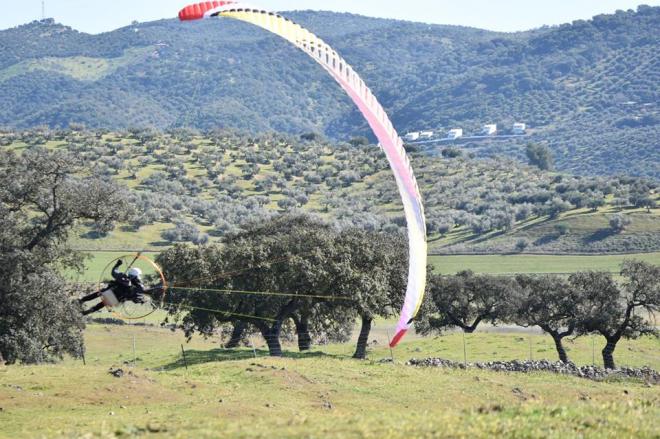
496, 264
587, 231
507, 264
96, 265
324, 393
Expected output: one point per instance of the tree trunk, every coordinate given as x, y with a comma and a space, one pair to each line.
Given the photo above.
236, 335
272, 337
272, 333
468, 329
302, 330
563, 357
608, 353
363, 339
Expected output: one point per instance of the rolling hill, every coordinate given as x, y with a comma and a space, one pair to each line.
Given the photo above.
192, 187
586, 89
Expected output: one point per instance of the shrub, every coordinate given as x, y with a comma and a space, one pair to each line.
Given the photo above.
618, 223
522, 244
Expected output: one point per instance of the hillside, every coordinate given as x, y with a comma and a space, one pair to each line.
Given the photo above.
194, 187
586, 89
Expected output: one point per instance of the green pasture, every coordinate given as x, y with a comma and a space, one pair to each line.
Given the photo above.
495, 264
323, 393
583, 228
510, 264
99, 264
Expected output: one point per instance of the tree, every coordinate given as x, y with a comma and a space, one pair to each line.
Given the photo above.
183, 232
286, 204
273, 267
323, 322
452, 153
465, 300
618, 223
359, 141
370, 269
540, 156
550, 303
301, 199
327, 200
522, 244
311, 136
43, 196
609, 309
556, 206
594, 203
238, 331
646, 202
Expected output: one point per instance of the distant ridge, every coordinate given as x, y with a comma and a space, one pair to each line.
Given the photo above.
588, 89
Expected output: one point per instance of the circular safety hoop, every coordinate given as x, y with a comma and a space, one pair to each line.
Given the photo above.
154, 282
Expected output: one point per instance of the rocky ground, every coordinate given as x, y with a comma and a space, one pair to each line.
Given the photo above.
649, 375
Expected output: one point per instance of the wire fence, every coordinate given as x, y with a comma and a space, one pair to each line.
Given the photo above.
149, 346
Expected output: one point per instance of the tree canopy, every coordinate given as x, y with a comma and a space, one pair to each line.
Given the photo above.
551, 303
466, 300
291, 268
609, 309
43, 196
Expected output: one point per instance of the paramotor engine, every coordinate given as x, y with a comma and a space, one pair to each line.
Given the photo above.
155, 286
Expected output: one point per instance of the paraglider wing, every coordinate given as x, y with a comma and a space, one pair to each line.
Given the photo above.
373, 112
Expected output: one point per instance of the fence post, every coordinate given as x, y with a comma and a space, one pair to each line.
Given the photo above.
388, 344
464, 351
254, 351
185, 360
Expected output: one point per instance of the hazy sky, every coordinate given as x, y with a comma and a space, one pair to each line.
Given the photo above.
95, 16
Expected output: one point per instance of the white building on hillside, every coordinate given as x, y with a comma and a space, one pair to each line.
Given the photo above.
489, 129
411, 137
426, 134
456, 133
519, 128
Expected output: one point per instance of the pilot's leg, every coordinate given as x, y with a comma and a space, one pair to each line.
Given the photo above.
92, 296
98, 307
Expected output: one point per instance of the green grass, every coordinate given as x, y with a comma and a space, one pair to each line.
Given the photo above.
493, 264
123, 239
320, 394
586, 231
96, 266
507, 264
